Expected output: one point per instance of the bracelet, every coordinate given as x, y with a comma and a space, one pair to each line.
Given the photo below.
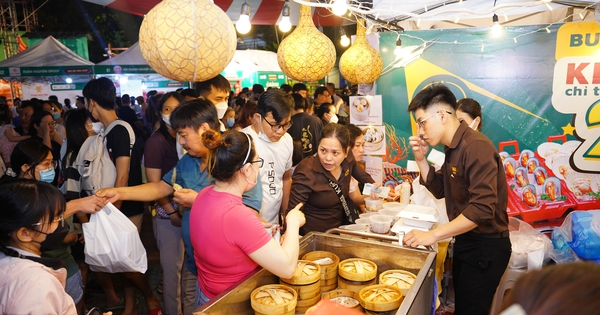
173, 212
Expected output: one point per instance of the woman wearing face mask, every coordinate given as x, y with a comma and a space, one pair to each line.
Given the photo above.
160, 156
327, 113
34, 160
229, 118
229, 240
26, 228
54, 108
469, 111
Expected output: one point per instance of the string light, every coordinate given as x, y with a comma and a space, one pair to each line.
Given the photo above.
398, 50
243, 25
505, 17
515, 39
547, 30
456, 20
418, 22
548, 5
285, 25
482, 45
344, 40
581, 15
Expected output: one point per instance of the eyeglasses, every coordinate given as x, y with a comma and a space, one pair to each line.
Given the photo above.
421, 123
48, 165
52, 123
276, 127
60, 219
260, 162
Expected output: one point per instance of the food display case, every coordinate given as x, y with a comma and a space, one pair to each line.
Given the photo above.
418, 300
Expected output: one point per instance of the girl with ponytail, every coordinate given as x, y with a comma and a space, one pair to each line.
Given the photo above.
229, 240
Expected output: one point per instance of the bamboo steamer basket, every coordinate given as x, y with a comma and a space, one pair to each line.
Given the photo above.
329, 272
355, 286
398, 278
380, 298
357, 269
306, 280
307, 283
343, 293
274, 299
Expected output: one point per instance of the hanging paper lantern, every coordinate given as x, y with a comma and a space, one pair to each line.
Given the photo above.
361, 63
306, 54
187, 40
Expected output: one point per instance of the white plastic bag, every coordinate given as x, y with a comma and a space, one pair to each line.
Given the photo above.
112, 243
528, 245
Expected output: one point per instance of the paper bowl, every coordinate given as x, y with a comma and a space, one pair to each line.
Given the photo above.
570, 146
560, 166
381, 223
359, 109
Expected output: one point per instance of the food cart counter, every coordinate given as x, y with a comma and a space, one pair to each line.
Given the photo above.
418, 300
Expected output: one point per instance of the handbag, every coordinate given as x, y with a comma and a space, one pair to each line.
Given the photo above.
112, 243
350, 210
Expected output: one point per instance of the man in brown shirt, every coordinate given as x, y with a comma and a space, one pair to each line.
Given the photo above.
473, 182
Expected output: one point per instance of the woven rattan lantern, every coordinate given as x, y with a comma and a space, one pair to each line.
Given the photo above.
187, 40
306, 54
361, 63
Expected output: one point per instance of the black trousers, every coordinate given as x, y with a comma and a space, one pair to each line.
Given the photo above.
478, 266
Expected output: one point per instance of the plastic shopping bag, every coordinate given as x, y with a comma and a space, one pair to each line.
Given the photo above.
530, 247
112, 243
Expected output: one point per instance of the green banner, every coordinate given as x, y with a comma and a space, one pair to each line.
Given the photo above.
45, 71
124, 69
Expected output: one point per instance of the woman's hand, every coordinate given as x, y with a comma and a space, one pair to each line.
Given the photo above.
419, 147
175, 219
185, 197
295, 215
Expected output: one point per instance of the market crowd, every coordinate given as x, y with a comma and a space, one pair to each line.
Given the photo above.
232, 181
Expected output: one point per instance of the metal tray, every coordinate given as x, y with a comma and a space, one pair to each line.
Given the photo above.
418, 300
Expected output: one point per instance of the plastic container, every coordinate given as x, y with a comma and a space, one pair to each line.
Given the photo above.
355, 227
364, 221
419, 216
381, 223
366, 215
390, 213
393, 205
373, 205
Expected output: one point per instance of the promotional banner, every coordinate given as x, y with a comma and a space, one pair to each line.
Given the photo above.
511, 76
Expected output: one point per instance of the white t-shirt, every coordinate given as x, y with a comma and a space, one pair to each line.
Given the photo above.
277, 158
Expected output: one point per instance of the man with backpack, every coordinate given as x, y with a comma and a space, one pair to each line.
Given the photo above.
126, 153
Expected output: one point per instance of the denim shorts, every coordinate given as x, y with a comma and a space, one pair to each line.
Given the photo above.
201, 298
74, 287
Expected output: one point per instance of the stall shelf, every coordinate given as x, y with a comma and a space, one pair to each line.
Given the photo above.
418, 300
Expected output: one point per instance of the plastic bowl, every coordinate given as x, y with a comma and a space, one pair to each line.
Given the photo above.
366, 215
364, 221
381, 223
373, 205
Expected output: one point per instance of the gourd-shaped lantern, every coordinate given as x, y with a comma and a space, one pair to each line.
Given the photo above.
361, 63
187, 40
306, 54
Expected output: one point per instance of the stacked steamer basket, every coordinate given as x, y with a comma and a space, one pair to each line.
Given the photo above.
307, 283
401, 279
380, 298
356, 273
274, 299
329, 268
345, 298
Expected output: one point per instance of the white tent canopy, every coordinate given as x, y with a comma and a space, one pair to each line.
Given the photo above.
48, 58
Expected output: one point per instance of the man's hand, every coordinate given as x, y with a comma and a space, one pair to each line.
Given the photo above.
415, 238
419, 147
109, 194
185, 197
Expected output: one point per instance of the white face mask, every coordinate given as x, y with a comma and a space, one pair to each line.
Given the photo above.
262, 135
474, 124
166, 119
97, 127
221, 109
334, 119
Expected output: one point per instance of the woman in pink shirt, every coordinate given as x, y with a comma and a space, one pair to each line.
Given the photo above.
229, 240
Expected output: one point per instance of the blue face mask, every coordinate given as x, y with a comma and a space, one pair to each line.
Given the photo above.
55, 116
47, 175
230, 122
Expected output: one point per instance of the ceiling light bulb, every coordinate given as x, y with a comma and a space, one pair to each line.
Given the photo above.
339, 7
243, 25
285, 25
69, 80
496, 28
